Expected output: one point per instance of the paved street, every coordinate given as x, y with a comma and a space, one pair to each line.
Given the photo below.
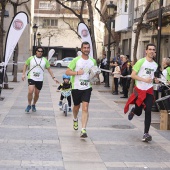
46, 139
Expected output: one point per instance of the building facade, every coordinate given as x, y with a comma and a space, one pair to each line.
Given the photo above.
56, 26
115, 36
126, 20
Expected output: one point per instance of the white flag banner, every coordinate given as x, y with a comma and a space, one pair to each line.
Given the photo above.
85, 36
50, 54
15, 31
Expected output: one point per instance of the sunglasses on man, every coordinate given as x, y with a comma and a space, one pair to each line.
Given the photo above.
40, 51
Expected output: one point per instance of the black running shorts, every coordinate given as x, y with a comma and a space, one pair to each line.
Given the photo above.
38, 84
81, 96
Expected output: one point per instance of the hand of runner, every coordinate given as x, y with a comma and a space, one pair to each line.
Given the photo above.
148, 80
23, 77
56, 80
80, 72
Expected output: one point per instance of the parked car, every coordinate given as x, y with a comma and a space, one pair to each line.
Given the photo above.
52, 60
64, 62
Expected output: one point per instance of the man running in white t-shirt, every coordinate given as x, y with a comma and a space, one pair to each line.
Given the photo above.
37, 64
142, 97
79, 69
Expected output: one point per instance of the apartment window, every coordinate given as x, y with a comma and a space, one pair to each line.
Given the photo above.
45, 5
75, 5
66, 3
50, 22
73, 23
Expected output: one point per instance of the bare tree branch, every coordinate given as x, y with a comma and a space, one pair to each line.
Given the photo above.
139, 27
70, 9
18, 4
71, 28
104, 19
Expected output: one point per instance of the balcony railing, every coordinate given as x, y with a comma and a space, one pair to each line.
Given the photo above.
154, 14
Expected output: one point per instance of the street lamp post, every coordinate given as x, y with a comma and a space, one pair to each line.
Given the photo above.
159, 32
35, 28
110, 11
39, 39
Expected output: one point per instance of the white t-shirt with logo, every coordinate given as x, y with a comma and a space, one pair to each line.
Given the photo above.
81, 82
144, 69
36, 67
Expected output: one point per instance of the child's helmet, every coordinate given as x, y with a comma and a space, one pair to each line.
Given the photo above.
66, 76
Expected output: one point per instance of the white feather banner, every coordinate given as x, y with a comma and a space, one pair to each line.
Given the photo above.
85, 36
50, 54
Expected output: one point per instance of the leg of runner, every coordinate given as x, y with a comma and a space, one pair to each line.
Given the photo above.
30, 97
36, 95
75, 111
30, 93
85, 114
75, 114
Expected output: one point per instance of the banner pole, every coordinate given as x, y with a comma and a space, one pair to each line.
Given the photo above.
1, 79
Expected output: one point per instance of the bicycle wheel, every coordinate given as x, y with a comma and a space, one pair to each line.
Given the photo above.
66, 109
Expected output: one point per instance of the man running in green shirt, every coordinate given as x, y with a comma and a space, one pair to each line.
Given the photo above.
37, 64
79, 69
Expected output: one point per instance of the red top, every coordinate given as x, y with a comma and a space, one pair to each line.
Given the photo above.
138, 96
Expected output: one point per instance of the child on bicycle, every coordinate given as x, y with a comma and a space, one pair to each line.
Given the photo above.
66, 85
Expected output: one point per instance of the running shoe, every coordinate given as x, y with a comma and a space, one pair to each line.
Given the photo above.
69, 109
60, 103
146, 137
131, 113
83, 133
34, 108
28, 108
75, 124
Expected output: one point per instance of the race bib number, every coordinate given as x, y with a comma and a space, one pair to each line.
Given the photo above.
84, 82
36, 74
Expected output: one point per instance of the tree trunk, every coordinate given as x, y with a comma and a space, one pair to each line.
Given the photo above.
15, 50
132, 83
92, 28
15, 63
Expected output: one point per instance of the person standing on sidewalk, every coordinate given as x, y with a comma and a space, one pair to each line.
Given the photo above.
142, 96
165, 76
124, 72
37, 64
79, 69
116, 75
103, 65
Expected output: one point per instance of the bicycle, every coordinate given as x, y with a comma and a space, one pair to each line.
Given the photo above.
64, 106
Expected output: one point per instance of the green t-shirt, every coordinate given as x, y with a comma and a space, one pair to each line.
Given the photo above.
144, 69
36, 67
81, 82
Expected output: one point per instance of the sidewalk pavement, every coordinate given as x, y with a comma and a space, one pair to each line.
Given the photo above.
46, 139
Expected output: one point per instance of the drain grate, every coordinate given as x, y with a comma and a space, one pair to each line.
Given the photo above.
122, 127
